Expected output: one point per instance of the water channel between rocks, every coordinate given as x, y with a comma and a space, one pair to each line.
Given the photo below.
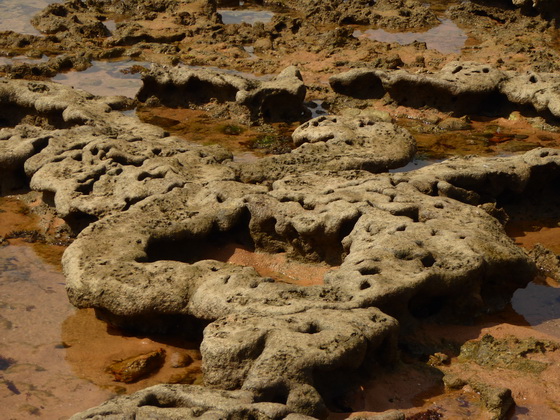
106, 78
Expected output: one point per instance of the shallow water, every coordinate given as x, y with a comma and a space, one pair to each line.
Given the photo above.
36, 380
539, 302
16, 14
22, 60
105, 78
446, 38
53, 358
245, 16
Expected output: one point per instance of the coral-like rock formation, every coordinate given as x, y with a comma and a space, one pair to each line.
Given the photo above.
280, 99
460, 87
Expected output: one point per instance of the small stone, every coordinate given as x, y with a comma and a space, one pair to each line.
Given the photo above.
438, 359
455, 124
134, 368
179, 360
453, 382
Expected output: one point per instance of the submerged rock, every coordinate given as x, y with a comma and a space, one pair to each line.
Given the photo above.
137, 367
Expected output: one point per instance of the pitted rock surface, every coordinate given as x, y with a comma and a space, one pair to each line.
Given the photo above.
460, 88
414, 245
174, 402
336, 143
280, 99
391, 14
90, 159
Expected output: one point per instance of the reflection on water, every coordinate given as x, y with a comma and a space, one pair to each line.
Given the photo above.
105, 78
22, 60
415, 164
539, 304
111, 25
316, 108
36, 380
245, 16
16, 14
446, 38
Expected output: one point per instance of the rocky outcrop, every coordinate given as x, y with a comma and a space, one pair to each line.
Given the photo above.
88, 159
280, 99
391, 14
336, 143
71, 17
411, 245
188, 401
460, 88
548, 8
539, 91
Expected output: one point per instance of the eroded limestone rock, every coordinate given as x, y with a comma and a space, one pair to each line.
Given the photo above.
336, 143
188, 401
88, 159
460, 87
414, 245
280, 99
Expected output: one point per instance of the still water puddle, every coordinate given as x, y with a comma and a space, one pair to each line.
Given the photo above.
539, 302
245, 16
35, 378
22, 60
446, 38
106, 78
16, 14
54, 358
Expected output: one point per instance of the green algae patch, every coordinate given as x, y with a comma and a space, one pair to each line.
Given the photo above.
508, 353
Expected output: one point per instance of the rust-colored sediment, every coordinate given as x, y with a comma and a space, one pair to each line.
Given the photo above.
92, 346
529, 233
276, 266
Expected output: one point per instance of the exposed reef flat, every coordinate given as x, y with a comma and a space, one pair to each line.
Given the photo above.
151, 211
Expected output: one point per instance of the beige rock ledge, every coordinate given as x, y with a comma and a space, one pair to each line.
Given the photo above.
409, 246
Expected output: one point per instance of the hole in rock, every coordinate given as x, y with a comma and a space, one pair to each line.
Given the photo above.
236, 246
365, 285
311, 328
13, 114
428, 261
79, 221
369, 271
426, 306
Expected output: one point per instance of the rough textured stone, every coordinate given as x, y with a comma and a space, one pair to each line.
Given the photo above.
89, 159
336, 143
174, 402
280, 99
547, 261
414, 245
460, 87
